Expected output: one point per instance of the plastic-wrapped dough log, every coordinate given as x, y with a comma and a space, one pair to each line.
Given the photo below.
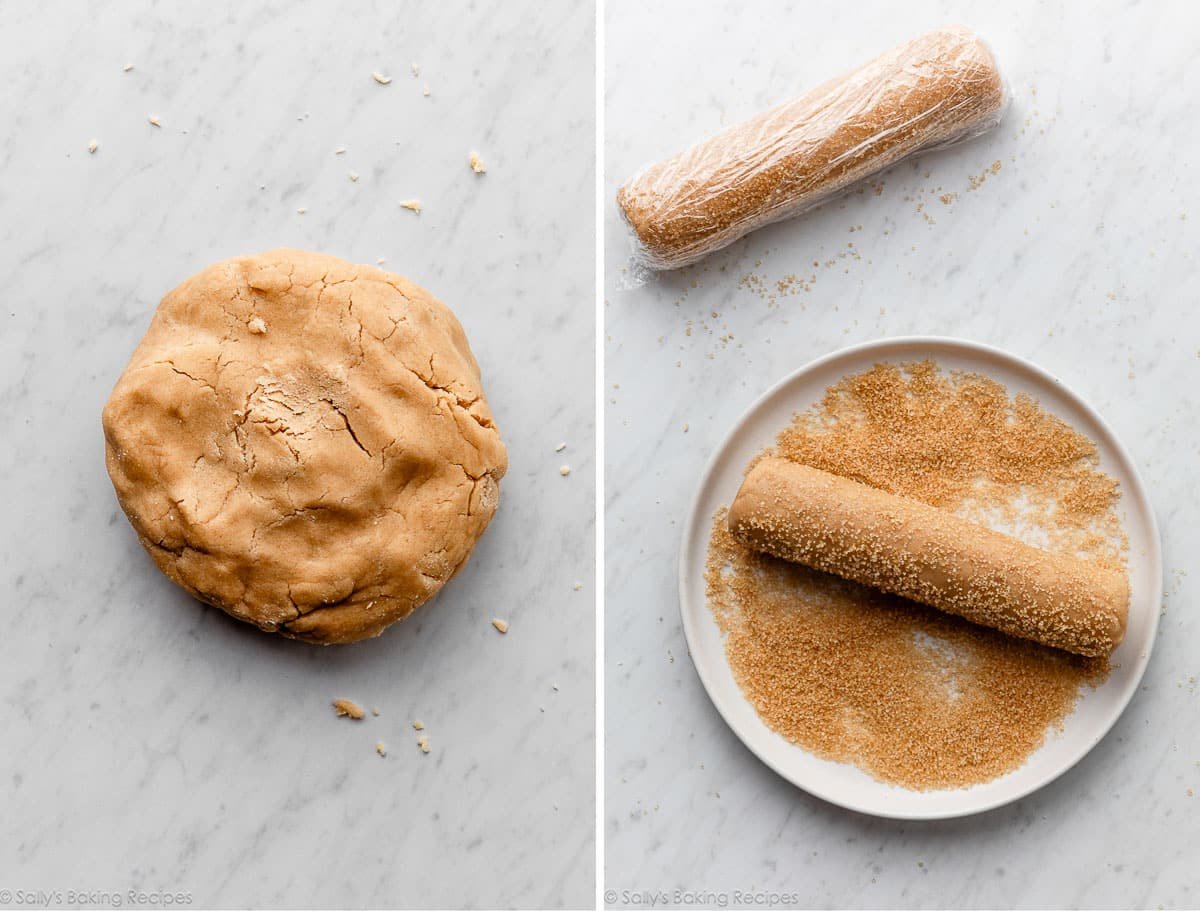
925, 554
940, 88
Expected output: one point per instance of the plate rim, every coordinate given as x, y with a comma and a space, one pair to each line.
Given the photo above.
1136, 492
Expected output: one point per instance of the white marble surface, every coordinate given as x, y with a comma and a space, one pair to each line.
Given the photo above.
1080, 254
150, 743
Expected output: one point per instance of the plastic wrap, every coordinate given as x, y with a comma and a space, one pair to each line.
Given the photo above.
941, 88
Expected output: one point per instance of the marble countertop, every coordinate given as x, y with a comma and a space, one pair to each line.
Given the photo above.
151, 743
1079, 254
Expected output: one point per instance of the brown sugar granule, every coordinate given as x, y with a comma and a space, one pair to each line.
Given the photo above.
974, 182
913, 696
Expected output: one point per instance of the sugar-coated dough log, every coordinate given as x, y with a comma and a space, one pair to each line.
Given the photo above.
941, 87
925, 554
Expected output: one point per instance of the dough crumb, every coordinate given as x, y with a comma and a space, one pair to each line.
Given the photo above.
425, 91
126, 68
565, 470
154, 121
301, 210
340, 150
418, 725
257, 326
685, 428
578, 586
375, 712
560, 447
416, 70
477, 164
92, 146
500, 625
380, 748
423, 743
413, 205
381, 79
353, 175
348, 709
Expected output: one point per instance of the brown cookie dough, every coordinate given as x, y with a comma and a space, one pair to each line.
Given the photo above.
305, 444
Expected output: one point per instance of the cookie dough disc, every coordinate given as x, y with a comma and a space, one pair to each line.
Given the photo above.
305, 444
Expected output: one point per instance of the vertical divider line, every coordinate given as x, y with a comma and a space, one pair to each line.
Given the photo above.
599, 435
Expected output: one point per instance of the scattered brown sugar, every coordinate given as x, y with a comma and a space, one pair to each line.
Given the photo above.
913, 696
959, 442
975, 181
348, 709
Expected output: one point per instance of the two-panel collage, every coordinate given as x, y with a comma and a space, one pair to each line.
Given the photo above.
600, 454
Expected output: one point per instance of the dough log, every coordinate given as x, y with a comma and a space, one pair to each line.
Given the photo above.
925, 554
936, 89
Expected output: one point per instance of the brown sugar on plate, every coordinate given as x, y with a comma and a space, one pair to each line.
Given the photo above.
913, 696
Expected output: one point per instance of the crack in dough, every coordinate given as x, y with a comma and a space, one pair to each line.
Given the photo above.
322, 478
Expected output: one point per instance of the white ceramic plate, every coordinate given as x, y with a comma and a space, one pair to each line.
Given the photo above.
845, 784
